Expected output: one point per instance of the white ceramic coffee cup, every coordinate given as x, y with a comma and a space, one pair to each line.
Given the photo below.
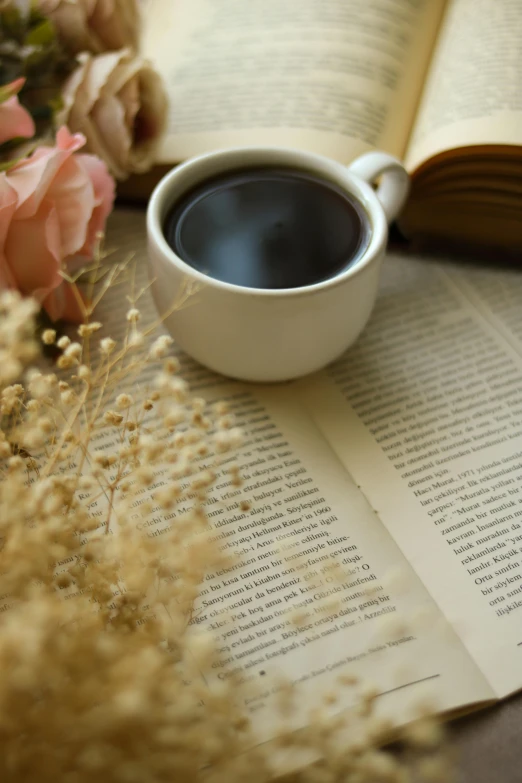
268, 335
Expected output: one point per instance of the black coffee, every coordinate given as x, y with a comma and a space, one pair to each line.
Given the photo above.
267, 228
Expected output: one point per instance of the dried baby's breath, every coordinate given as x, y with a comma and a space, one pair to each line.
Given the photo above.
133, 315
87, 329
63, 342
161, 346
103, 678
124, 401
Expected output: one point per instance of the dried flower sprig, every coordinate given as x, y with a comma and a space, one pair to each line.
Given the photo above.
104, 676
94, 629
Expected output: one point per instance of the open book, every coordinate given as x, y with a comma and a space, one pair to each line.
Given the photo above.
436, 83
403, 463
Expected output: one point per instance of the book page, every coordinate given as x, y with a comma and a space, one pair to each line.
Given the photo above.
332, 77
473, 92
425, 412
310, 544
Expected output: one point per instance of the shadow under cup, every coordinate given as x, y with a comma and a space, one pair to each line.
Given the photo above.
268, 228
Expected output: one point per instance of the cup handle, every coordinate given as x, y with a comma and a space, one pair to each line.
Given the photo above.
394, 184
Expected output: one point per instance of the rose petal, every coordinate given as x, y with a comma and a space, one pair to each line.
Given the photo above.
15, 121
71, 22
32, 177
126, 69
32, 250
8, 202
116, 22
72, 193
100, 70
129, 96
96, 145
94, 25
150, 122
108, 117
80, 99
104, 191
65, 140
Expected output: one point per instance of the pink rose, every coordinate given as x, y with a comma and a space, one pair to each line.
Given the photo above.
53, 206
15, 121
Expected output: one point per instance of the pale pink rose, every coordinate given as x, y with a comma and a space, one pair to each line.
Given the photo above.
53, 205
94, 25
15, 121
118, 102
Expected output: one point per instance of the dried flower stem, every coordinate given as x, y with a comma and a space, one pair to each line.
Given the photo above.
105, 675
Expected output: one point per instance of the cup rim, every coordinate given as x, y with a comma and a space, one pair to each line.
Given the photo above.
319, 165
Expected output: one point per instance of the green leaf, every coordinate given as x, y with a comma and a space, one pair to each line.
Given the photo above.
56, 104
8, 164
41, 35
6, 92
11, 23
